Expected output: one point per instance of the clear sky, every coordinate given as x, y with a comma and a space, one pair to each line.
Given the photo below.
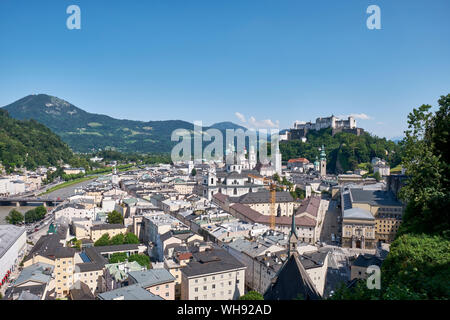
208, 60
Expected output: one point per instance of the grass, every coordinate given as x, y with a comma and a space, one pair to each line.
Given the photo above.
397, 169
68, 184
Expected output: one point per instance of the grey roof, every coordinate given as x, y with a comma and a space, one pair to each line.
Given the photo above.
358, 213
375, 197
81, 291
49, 246
25, 292
262, 197
97, 261
292, 281
152, 277
133, 292
107, 226
38, 272
211, 261
8, 236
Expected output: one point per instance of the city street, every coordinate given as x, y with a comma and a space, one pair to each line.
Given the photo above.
330, 223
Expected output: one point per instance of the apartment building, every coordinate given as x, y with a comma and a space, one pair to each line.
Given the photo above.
213, 274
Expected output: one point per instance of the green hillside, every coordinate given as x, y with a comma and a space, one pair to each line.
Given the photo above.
29, 144
345, 151
87, 132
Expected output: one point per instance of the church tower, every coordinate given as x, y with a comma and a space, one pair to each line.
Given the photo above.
323, 162
293, 238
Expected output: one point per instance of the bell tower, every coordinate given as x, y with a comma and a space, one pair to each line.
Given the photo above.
323, 162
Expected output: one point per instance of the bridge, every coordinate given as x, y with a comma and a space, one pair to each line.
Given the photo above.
25, 201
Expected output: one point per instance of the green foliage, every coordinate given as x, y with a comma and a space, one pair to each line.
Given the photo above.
118, 257
35, 214
128, 238
276, 178
419, 263
377, 176
298, 193
252, 295
193, 172
426, 160
142, 259
131, 238
104, 240
115, 217
117, 239
14, 217
345, 151
29, 144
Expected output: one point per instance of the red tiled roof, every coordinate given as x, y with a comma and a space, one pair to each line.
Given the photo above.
220, 196
257, 217
304, 160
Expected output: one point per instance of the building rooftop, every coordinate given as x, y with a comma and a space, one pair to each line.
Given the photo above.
107, 226
133, 292
152, 277
358, 213
211, 261
8, 236
374, 197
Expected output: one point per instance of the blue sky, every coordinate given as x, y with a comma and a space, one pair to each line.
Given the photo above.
207, 60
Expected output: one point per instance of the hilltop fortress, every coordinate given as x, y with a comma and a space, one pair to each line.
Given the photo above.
300, 128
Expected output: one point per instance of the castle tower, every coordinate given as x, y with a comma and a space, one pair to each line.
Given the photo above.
323, 162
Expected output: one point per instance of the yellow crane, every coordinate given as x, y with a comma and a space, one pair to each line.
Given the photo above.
272, 187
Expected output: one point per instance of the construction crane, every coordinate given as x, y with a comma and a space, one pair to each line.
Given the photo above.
272, 187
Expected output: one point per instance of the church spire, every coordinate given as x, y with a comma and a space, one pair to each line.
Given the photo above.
293, 237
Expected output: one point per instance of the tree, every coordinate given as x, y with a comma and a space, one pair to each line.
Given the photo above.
377, 176
252, 295
30, 216
276, 177
14, 217
193, 172
425, 158
142, 259
117, 239
40, 212
115, 217
131, 238
102, 241
118, 257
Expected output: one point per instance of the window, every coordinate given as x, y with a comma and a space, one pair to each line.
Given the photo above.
213, 286
167, 286
167, 294
205, 288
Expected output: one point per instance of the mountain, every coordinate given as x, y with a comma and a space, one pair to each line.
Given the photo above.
29, 144
85, 132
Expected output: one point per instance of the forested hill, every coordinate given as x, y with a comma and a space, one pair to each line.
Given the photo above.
345, 151
29, 144
87, 132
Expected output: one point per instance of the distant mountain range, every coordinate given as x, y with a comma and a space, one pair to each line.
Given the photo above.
86, 132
